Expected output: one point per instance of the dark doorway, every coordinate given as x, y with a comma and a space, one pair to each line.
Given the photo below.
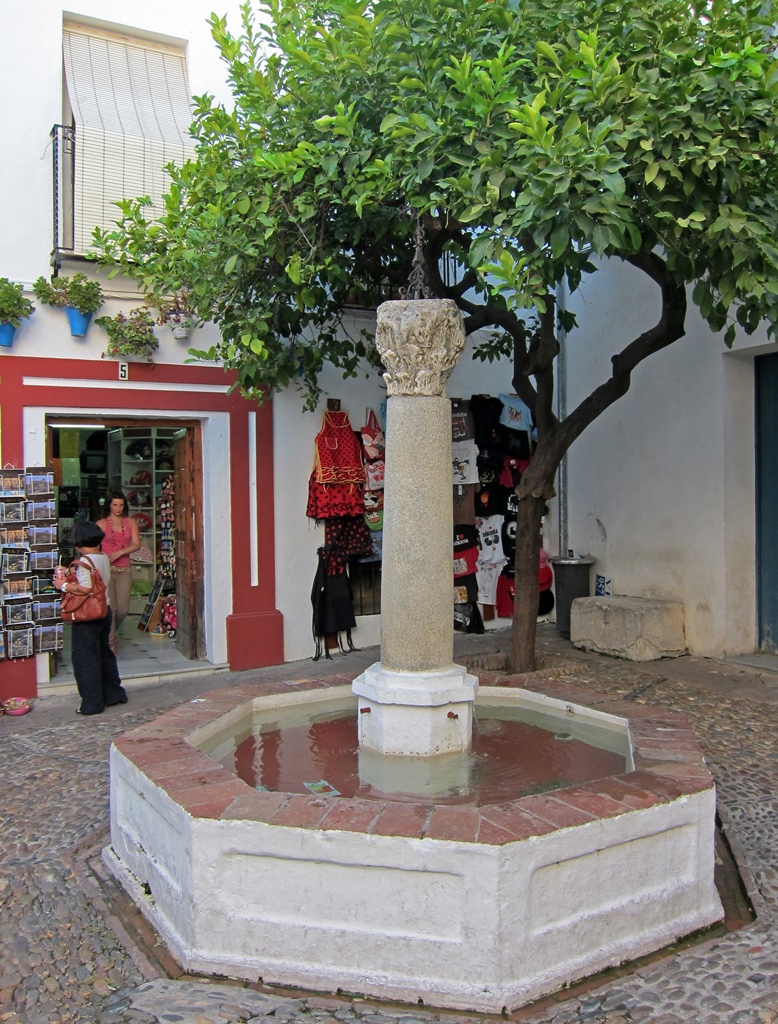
767, 500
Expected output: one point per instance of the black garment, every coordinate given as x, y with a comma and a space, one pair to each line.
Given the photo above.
345, 538
467, 618
465, 536
94, 666
333, 607
491, 500
486, 410
462, 426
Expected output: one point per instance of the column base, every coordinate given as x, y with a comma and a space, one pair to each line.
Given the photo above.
415, 713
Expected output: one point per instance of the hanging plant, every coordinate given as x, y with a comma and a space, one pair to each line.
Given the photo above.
14, 308
77, 295
130, 335
177, 313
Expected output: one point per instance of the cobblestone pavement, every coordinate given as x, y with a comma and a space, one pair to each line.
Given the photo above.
66, 956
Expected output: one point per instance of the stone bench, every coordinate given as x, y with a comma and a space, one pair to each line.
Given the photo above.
637, 628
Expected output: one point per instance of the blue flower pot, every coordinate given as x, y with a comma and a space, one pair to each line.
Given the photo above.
78, 321
7, 332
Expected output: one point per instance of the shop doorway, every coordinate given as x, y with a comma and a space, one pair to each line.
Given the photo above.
767, 501
157, 465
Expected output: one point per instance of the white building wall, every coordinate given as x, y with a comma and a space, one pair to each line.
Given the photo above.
31, 63
297, 537
661, 486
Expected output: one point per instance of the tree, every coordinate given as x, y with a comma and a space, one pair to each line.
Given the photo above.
533, 140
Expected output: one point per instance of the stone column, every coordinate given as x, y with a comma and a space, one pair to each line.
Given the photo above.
416, 701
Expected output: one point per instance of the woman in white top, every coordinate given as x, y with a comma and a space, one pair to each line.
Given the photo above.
94, 663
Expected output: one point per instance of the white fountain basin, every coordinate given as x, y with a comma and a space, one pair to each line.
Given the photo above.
472, 907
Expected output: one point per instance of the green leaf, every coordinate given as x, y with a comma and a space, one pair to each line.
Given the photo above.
229, 266
651, 172
560, 239
293, 269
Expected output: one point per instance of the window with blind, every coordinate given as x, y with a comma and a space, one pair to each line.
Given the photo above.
131, 114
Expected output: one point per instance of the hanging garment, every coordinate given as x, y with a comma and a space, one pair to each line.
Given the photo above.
506, 593
509, 528
345, 538
465, 536
465, 562
515, 414
490, 537
487, 574
464, 467
491, 500
328, 500
462, 427
465, 589
467, 618
512, 471
486, 410
516, 443
333, 608
338, 451
464, 504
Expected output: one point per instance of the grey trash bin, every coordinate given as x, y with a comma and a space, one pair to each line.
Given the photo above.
571, 580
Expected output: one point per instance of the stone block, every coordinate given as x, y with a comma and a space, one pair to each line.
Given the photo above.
636, 628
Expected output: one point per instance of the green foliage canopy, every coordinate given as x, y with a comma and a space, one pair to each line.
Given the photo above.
529, 137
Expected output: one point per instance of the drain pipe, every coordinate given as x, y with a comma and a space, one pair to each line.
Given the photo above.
561, 411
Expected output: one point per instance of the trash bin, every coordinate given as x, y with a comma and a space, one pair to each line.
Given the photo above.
571, 580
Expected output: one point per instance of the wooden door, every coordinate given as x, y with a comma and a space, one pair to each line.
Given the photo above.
188, 540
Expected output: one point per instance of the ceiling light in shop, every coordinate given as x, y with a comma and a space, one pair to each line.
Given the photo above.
82, 423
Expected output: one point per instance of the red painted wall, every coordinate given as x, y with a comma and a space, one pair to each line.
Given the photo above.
255, 627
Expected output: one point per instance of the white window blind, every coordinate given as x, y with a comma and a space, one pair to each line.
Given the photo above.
132, 114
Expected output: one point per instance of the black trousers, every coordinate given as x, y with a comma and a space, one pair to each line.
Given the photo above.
94, 666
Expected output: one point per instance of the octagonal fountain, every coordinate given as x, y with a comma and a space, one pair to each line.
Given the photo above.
443, 892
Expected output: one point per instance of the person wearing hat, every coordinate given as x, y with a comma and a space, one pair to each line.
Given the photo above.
121, 539
94, 663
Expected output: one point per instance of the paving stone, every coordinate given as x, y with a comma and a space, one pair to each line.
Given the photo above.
61, 963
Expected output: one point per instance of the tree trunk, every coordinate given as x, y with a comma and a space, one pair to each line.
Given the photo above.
527, 562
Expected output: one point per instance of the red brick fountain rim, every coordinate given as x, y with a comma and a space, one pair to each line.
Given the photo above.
668, 764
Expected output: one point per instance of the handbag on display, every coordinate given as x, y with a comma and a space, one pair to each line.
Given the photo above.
84, 607
374, 510
374, 472
373, 439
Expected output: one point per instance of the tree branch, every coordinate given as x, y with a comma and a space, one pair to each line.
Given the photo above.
669, 328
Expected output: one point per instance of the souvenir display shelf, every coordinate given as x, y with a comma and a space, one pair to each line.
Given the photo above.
141, 466
28, 555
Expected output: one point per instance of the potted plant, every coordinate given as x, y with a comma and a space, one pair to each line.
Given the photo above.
13, 309
77, 295
130, 335
177, 312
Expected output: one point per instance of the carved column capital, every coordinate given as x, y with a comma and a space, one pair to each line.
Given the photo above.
419, 341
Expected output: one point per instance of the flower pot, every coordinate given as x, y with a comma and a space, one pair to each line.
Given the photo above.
78, 321
7, 331
181, 331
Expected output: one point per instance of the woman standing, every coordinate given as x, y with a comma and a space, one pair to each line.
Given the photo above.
121, 539
94, 663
